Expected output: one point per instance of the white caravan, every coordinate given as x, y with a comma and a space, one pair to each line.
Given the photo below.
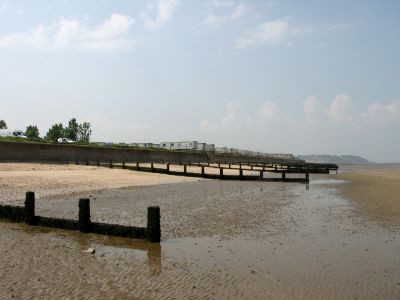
13, 133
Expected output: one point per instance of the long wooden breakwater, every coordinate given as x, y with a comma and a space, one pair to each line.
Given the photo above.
227, 171
84, 224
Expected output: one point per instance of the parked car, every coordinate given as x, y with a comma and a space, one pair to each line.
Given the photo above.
12, 133
65, 141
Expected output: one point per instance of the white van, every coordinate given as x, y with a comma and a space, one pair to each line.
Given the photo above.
13, 133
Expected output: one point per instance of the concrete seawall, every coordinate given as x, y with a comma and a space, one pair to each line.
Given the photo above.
32, 152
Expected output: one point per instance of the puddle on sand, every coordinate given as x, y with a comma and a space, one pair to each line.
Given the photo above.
222, 240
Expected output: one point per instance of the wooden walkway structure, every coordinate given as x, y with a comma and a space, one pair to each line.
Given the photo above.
232, 171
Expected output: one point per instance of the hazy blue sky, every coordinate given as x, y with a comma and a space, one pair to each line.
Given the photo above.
277, 76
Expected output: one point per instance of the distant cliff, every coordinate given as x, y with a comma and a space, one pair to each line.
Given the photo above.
333, 159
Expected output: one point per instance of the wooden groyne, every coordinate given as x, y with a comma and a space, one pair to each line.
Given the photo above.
245, 170
84, 224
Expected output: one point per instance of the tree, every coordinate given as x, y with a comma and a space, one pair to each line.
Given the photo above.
84, 132
55, 132
3, 124
32, 132
71, 132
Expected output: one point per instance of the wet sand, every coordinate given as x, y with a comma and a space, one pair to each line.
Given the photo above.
377, 192
221, 240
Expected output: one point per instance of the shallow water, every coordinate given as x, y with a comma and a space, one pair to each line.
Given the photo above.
221, 240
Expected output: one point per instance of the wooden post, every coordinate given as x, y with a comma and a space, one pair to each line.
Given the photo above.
241, 174
84, 215
283, 175
123, 165
137, 166
261, 174
229, 166
221, 172
251, 167
86, 162
110, 165
240, 166
307, 176
153, 224
219, 165
184, 169
77, 162
98, 163
202, 171
152, 167
167, 168
30, 208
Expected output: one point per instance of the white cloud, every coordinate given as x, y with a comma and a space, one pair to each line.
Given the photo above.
239, 11
381, 112
340, 107
3, 5
267, 111
219, 3
230, 13
116, 26
345, 26
111, 35
310, 106
214, 21
270, 33
165, 9
232, 110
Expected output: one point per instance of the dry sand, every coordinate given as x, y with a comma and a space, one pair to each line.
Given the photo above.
377, 192
49, 180
220, 240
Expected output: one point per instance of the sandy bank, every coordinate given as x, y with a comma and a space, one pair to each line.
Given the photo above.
377, 192
51, 179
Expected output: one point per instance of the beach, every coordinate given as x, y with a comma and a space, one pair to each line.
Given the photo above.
377, 192
220, 239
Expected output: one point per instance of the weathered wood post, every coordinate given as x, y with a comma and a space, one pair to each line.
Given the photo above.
240, 166
123, 165
86, 162
219, 165
98, 163
137, 166
153, 224
251, 167
307, 176
152, 166
84, 215
30, 208
110, 165
283, 175
184, 169
261, 174
167, 168
77, 162
202, 171
229, 166
221, 172
241, 173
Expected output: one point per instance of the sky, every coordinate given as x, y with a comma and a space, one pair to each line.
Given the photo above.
301, 77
